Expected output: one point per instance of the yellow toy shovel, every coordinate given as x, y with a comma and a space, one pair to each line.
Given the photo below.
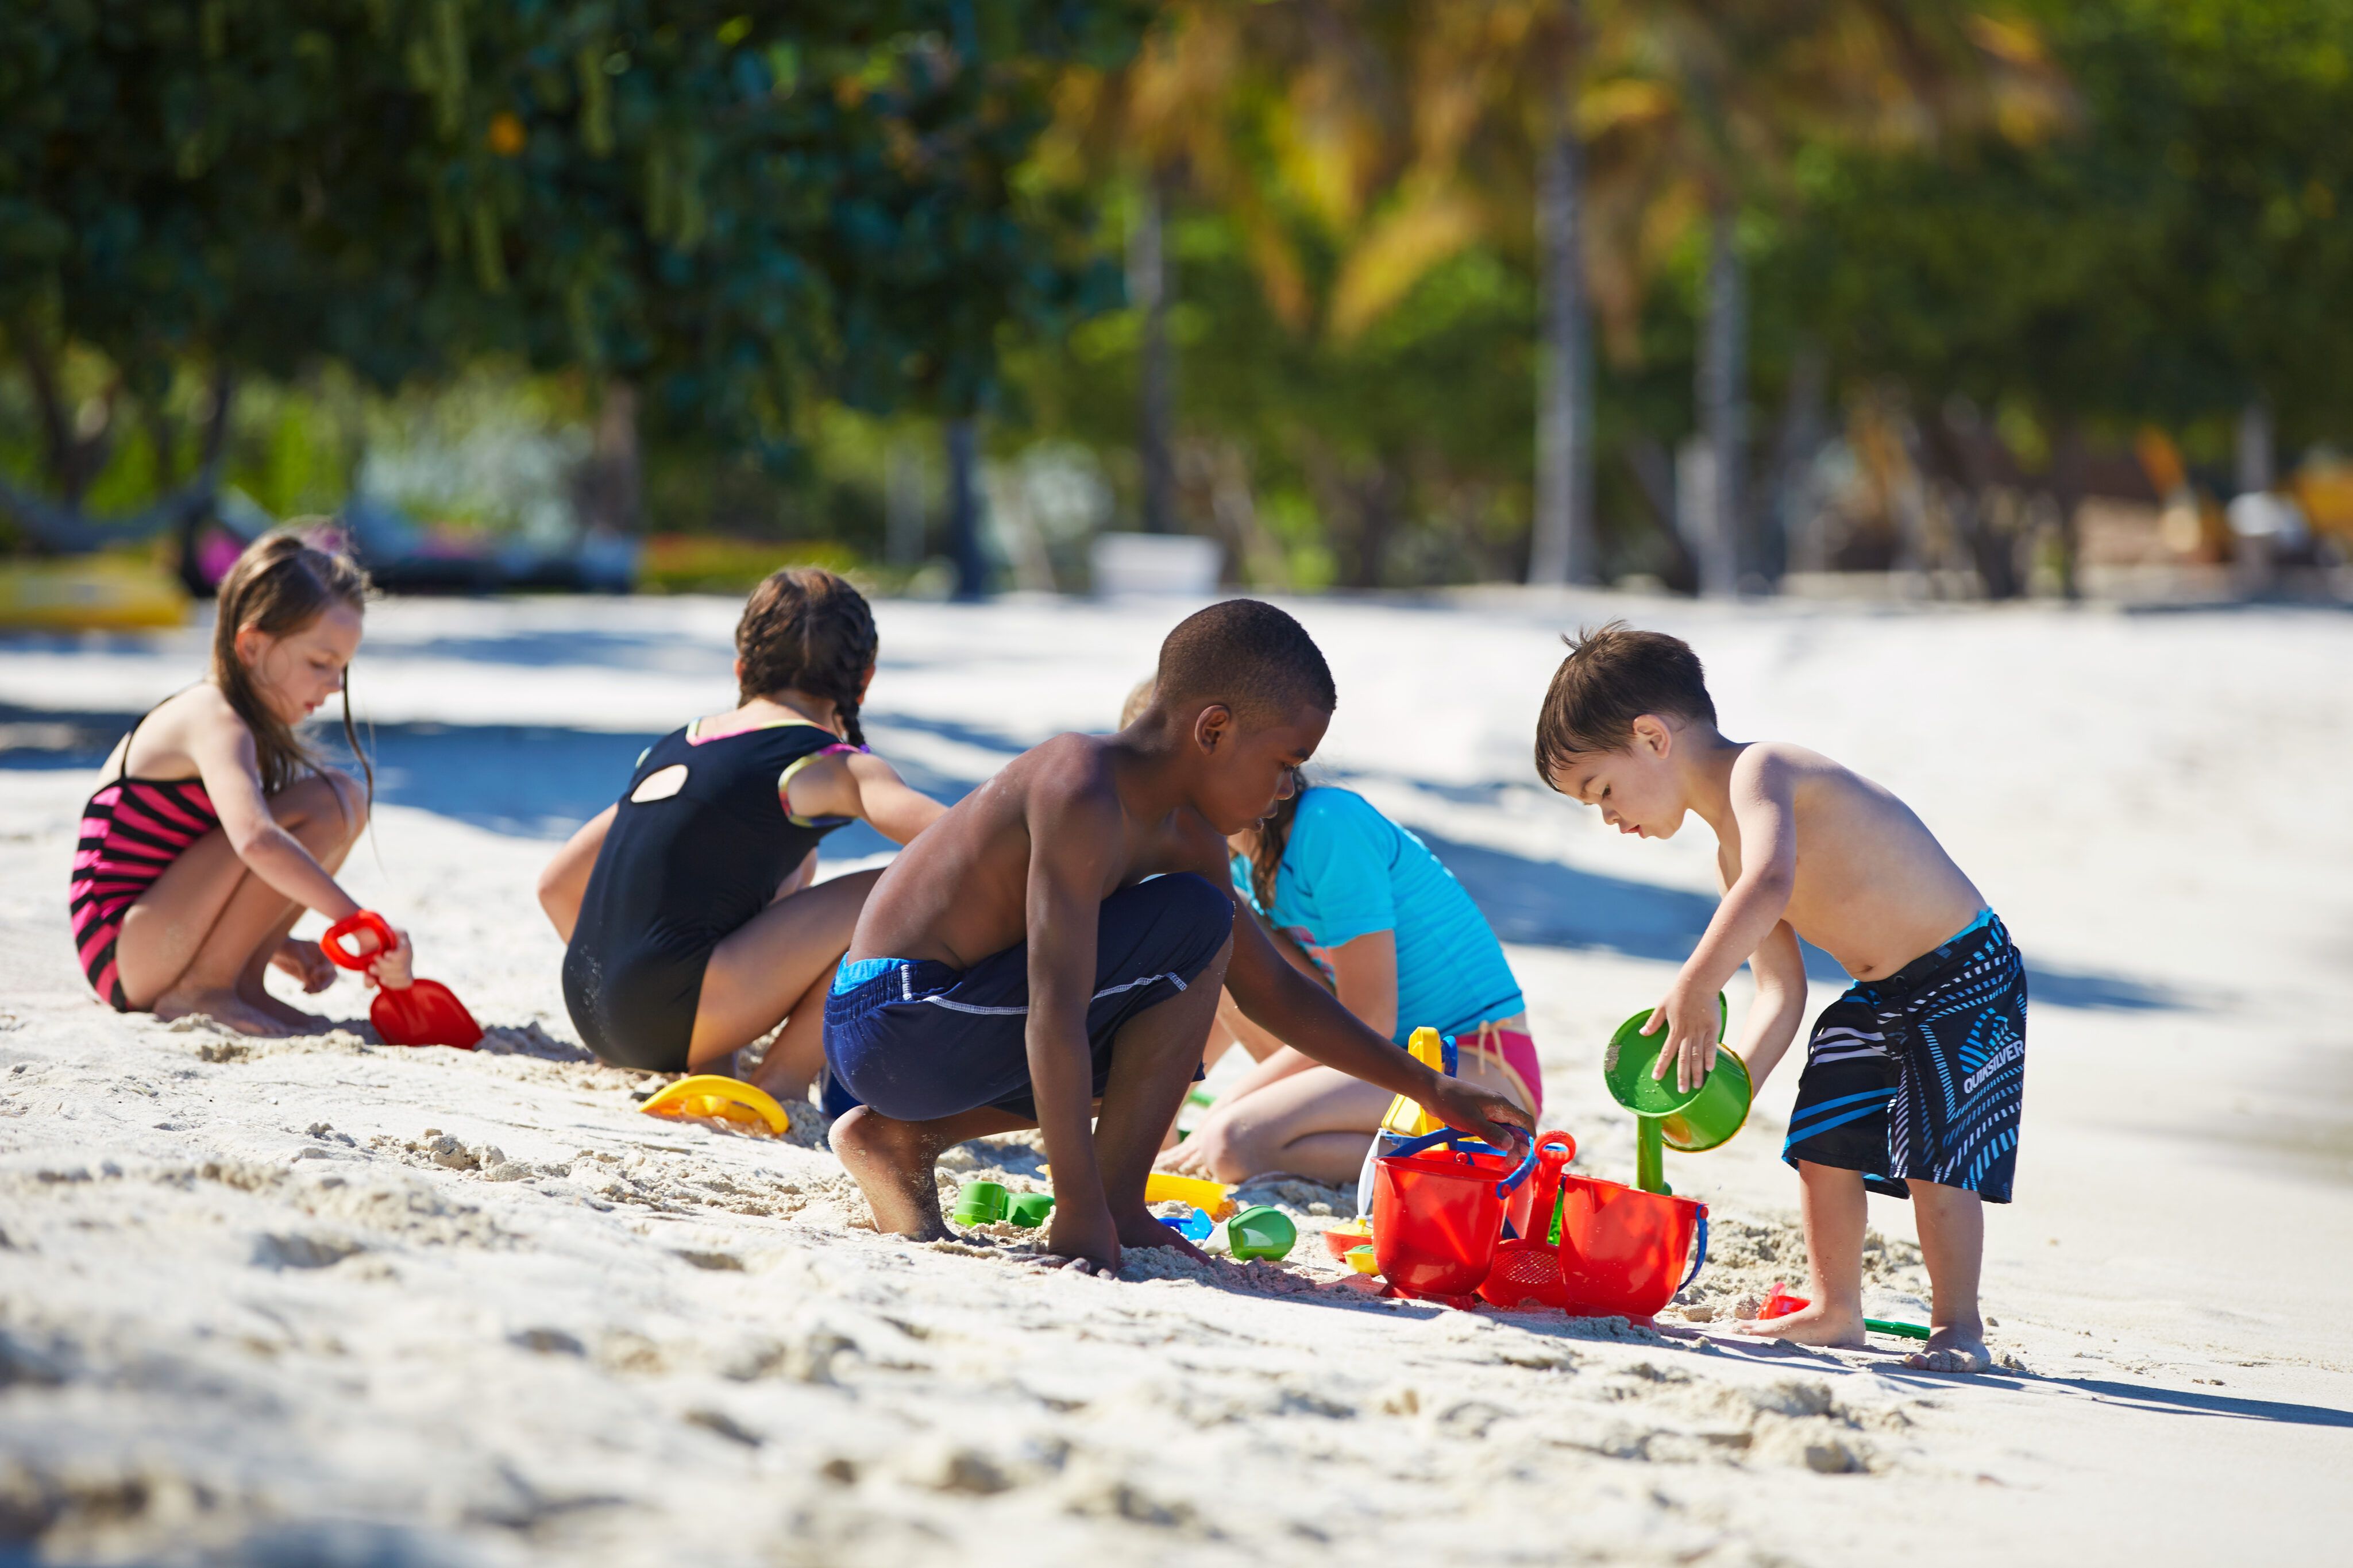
708, 1097
1404, 1117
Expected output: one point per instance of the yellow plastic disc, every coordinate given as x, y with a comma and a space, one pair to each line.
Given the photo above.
713, 1097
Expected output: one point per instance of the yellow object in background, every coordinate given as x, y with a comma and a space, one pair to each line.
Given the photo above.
717, 1098
1405, 1116
93, 593
1210, 1197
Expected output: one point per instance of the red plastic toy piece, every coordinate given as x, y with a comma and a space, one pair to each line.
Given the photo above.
425, 1014
1529, 1209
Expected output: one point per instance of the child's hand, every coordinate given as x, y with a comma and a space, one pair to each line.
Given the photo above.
392, 970
305, 962
1690, 1046
1082, 1239
1467, 1108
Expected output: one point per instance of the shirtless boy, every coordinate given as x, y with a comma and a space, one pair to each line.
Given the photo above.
1015, 968
1913, 1077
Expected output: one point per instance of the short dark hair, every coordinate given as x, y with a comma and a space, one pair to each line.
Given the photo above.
1248, 655
1612, 677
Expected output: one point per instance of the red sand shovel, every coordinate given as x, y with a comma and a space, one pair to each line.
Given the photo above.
424, 1014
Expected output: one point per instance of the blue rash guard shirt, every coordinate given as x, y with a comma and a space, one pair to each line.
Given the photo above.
1349, 872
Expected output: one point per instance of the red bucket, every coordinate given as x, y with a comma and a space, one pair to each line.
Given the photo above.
1437, 1215
1622, 1249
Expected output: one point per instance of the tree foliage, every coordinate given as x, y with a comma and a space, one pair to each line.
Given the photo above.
734, 206
2175, 253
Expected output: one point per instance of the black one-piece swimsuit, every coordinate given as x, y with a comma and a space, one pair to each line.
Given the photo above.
680, 870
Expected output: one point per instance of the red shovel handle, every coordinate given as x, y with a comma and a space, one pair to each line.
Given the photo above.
368, 921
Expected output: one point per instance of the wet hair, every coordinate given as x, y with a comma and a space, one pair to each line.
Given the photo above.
280, 585
1612, 677
806, 629
1251, 657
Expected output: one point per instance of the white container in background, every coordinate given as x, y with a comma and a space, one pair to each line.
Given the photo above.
1155, 564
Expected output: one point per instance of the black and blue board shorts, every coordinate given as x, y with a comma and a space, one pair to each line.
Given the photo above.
917, 1039
1920, 1074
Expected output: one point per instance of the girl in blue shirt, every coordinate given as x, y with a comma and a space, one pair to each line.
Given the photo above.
1371, 913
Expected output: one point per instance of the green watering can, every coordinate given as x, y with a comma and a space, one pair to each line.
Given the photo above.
1665, 1117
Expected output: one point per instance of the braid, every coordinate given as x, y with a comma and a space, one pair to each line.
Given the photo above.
806, 629
1273, 838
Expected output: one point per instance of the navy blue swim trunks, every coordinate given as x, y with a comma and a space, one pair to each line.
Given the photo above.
918, 1040
1921, 1073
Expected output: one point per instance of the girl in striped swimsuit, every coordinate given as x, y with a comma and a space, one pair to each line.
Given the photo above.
216, 827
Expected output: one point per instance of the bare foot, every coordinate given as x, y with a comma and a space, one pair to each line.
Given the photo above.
1814, 1325
1190, 1158
772, 1078
293, 1018
1950, 1350
891, 1162
224, 1006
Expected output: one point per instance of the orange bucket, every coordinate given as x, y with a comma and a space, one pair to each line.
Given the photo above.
1622, 1249
1436, 1216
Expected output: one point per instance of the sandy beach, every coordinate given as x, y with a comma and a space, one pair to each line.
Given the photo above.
322, 1301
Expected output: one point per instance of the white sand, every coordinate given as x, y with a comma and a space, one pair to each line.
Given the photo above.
322, 1302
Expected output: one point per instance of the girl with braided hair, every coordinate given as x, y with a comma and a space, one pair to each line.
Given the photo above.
691, 912
1363, 906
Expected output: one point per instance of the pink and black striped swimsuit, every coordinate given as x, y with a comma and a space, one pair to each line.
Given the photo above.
130, 831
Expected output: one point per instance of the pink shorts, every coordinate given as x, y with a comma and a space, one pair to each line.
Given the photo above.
1515, 1054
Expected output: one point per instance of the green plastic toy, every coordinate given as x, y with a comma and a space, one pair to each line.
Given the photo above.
1780, 1303
1260, 1232
979, 1203
1030, 1209
1665, 1117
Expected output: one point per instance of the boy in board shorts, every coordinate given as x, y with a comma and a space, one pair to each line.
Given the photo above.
1913, 1077
1052, 950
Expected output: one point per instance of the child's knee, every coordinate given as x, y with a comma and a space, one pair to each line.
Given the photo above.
1197, 902
1193, 904
346, 799
1213, 973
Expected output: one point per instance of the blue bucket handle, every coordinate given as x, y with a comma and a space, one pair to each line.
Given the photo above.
1699, 1262
1465, 1143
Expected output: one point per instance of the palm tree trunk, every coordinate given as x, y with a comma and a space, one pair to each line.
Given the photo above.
1147, 288
964, 508
1721, 394
1563, 549
2252, 553
610, 484
2067, 459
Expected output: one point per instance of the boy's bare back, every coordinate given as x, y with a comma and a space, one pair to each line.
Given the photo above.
1873, 886
962, 889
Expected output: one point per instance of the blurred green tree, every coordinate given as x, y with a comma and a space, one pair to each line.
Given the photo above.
721, 209
2177, 255
1717, 103
1355, 149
